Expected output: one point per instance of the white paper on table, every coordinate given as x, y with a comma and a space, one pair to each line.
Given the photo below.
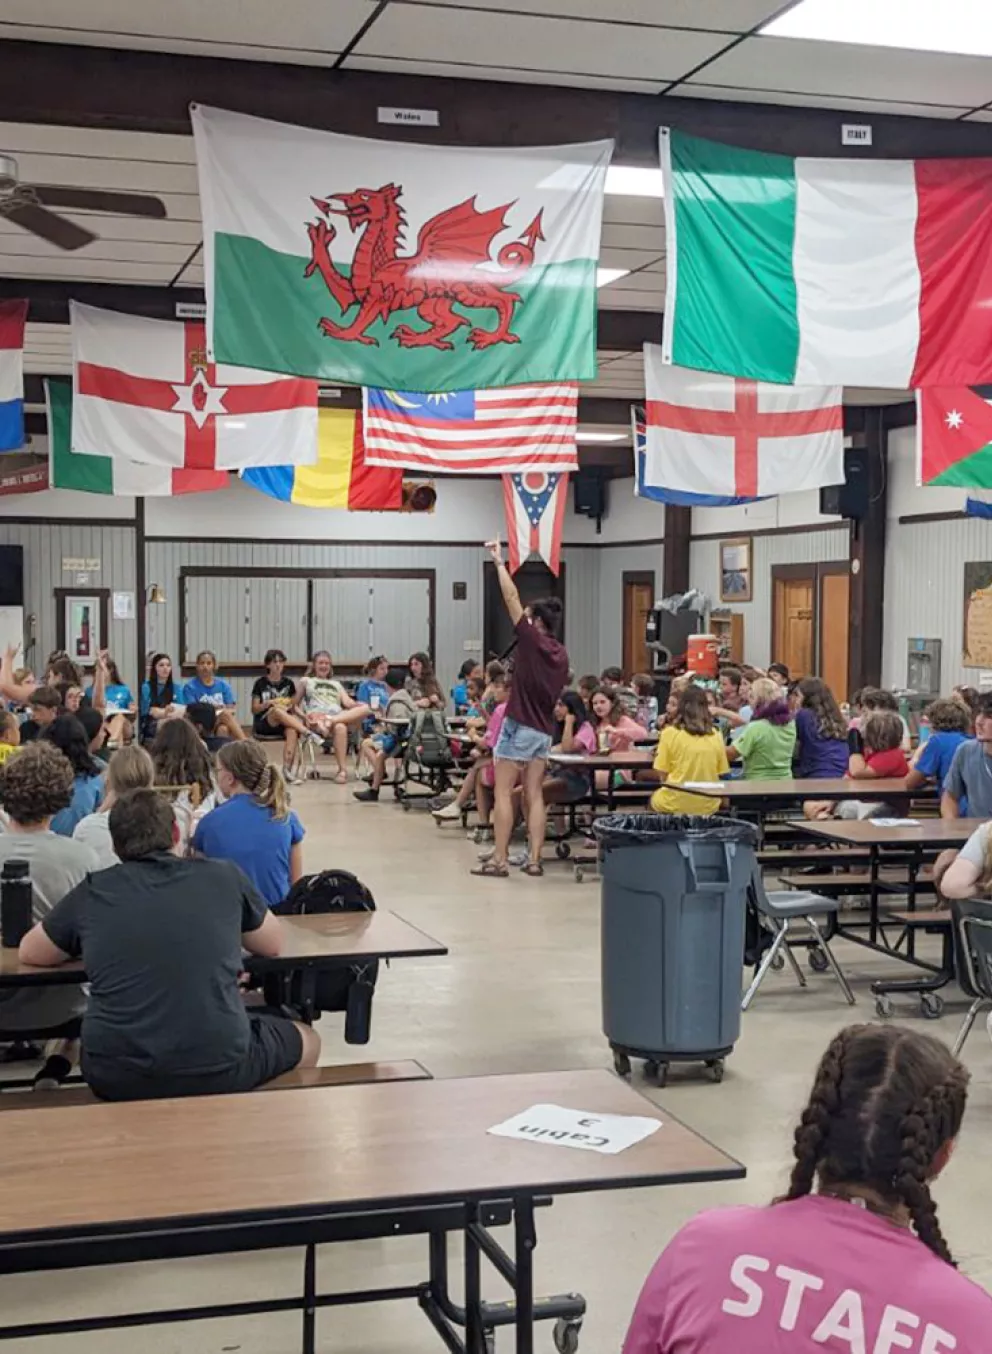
568, 756
896, 822
716, 785
558, 1127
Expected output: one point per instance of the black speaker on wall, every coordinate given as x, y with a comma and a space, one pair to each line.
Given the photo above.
590, 492
11, 575
849, 499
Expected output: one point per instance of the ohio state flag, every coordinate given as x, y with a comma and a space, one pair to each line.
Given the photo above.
143, 389
535, 509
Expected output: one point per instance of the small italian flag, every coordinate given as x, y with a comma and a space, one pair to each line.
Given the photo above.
827, 272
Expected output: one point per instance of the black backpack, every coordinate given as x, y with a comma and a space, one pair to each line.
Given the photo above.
347, 989
429, 742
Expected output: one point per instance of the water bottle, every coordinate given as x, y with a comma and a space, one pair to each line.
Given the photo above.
16, 910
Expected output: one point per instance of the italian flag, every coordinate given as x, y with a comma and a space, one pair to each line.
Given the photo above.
834, 272
398, 265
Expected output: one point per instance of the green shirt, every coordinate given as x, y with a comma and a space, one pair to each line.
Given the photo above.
767, 750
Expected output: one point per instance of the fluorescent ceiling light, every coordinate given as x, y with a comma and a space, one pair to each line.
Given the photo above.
633, 181
601, 437
960, 26
604, 276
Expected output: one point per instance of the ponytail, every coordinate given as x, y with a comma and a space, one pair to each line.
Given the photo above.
248, 764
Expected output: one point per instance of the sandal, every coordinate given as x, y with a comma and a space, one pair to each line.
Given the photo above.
341, 778
534, 868
490, 870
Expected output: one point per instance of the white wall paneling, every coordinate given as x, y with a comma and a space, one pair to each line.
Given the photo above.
799, 547
613, 564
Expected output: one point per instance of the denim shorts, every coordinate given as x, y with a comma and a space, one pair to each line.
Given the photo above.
385, 742
519, 743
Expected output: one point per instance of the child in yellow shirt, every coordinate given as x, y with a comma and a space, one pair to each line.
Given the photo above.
689, 749
10, 735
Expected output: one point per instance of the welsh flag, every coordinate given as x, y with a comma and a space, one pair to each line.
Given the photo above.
827, 272
954, 440
145, 389
395, 265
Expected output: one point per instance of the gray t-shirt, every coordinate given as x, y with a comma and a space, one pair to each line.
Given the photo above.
970, 775
973, 850
57, 864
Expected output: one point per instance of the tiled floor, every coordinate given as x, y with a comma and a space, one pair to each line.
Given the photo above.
519, 992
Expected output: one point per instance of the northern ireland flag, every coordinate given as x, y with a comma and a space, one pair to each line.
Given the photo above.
144, 389
954, 440
535, 509
722, 435
12, 317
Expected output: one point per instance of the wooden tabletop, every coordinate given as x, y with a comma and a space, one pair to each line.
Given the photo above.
867, 832
323, 938
338, 1148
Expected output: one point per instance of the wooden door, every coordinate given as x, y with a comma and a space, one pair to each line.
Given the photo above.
794, 634
638, 602
835, 627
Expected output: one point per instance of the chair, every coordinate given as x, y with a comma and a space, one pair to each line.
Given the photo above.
972, 920
775, 911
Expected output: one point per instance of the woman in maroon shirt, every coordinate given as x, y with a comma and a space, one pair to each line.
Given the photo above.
540, 671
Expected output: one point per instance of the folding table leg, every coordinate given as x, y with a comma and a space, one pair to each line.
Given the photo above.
309, 1298
525, 1237
474, 1338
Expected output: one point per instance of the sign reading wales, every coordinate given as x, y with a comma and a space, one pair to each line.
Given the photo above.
400, 266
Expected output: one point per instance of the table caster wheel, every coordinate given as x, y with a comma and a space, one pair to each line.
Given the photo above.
883, 1007
656, 1072
931, 1005
566, 1335
621, 1064
406, 805
817, 961
716, 1069
778, 963
563, 850
579, 876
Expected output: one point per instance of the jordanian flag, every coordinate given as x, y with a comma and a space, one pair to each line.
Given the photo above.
827, 272
954, 441
400, 266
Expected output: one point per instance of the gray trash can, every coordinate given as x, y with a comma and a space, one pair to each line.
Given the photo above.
674, 899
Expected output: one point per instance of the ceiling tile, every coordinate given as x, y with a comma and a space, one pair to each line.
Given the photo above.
633, 237
793, 99
729, 16
296, 31
850, 71
529, 43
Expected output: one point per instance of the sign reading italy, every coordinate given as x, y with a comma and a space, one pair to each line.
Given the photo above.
402, 266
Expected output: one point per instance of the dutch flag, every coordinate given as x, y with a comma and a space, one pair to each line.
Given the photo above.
12, 317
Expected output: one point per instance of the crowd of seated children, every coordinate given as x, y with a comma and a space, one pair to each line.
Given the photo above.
328, 710
646, 712
161, 939
130, 768
422, 684
852, 1256
273, 701
767, 743
875, 754
690, 748
68, 735
254, 827
386, 739
613, 677
478, 782
209, 689
871, 698
161, 697
35, 786
183, 763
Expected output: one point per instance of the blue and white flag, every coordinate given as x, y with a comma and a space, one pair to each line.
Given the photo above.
673, 497
12, 317
979, 503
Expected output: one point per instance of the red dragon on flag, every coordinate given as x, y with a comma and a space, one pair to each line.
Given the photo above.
452, 265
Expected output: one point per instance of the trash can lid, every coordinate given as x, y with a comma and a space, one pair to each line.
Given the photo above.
631, 829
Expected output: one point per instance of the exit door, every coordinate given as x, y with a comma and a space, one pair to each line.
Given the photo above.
811, 621
638, 603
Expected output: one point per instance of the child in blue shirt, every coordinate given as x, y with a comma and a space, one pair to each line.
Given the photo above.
255, 828
373, 691
950, 725
206, 688
459, 692
116, 702
161, 696
69, 736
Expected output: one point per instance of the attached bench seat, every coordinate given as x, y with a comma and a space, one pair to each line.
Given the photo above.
338, 1074
857, 881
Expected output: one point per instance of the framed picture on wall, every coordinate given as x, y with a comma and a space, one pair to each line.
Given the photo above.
735, 570
81, 623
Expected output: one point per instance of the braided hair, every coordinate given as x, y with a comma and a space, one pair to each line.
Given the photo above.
885, 1100
248, 764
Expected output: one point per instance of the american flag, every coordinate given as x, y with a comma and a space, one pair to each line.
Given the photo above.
535, 509
512, 428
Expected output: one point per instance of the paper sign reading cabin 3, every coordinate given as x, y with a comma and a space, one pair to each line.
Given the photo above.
559, 1127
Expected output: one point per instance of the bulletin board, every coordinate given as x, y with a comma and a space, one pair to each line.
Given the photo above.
977, 646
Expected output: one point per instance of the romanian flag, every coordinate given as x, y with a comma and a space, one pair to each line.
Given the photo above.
340, 479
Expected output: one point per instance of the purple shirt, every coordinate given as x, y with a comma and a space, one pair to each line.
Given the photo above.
804, 1277
819, 758
540, 667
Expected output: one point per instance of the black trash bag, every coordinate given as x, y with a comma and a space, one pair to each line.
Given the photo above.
641, 829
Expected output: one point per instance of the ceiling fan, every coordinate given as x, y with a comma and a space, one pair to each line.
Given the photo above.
28, 205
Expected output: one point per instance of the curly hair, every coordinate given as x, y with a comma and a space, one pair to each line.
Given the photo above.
36, 784
181, 758
948, 716
885, 1101
247, 763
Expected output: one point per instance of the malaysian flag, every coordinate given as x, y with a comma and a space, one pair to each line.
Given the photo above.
473, 432
535, 509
